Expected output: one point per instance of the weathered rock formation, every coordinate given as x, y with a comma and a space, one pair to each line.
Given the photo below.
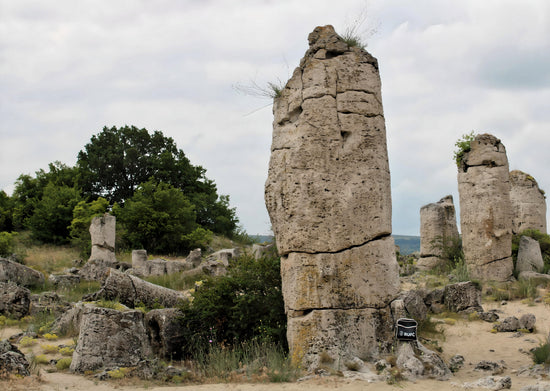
486, 210
132, 291
328, 197
11, 271
529, 256
143, 267
15, 300
12, 361
528, 203
103, 233
165, 333
110, 338
437, 230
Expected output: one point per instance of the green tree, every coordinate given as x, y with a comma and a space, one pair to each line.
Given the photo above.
83, 213
158, 217
246, 304
6, 212
53, 214
462, 146
117, 160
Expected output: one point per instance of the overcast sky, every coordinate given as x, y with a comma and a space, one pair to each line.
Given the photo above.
70, 67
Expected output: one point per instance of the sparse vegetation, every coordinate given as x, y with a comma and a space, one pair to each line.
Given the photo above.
462, 146
541, 354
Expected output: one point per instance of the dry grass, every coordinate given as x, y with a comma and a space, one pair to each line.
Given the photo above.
47, 258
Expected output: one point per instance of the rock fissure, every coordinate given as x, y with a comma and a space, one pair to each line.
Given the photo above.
381, 236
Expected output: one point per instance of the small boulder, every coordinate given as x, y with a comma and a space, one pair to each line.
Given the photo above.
456, 362
463, 297
11, 271
12, 361
414, 304
529, 256
509, 324
492, 383
496, 368
15, 300
527, 322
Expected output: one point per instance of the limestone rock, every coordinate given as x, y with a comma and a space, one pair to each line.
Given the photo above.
456, 363
492, 383
535, 278
194, 258
329, 200
15, 300
528, 203
496, 368
259, 250
486, 210
527, 322
437, 229
64, 280
165, 333
132, 291
110, 338
463, 297
143, 267
12, 361
19, 274
414, 304
509, 324
346, 279
98, 269
103, 233
328, 186
69, 322
529, 256
416, 361
48, 302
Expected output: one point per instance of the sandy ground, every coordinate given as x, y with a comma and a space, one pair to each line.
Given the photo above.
471, 339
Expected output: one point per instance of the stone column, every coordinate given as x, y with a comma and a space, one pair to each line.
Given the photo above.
486, 210
528, 203
328, 197
437, 229
103, 233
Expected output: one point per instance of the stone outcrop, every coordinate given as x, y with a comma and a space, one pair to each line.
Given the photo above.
11, 271
143, 267
103, 233
12, 361
15, 300
110, 338
437, 230
463, 297
529, 256
485, 209
132, 291
328, 197
165, 333
528, 203
49, 302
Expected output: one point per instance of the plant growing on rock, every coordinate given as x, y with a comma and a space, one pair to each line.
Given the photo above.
462, 146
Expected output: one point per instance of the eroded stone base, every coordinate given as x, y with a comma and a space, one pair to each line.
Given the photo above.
500, 270
331, 337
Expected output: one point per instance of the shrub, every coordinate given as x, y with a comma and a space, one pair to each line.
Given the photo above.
7, 243
66, 351
541, 354
244, 305
27, 341
462, 146
49, 349
63, 363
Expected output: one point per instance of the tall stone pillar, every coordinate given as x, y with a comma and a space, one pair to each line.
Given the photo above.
437, 230
103, 234
528, 203
486, 210
328, 197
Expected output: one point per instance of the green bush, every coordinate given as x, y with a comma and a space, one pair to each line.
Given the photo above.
462, 146
244, 305
541, 354
7, 243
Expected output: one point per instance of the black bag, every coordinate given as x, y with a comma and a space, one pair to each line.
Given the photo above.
405, 329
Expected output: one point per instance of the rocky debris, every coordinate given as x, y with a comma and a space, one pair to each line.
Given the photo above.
489, 316
103, 234
491, 383
110, 338
537, 387
143, 267
15, 300
537, 371
415, 362
261, 250
463, 297
535, 278
528, 203
12, 361
496, 368
132, 291
11, 271
69, 322
224, 256
48, 302
437, 230
513, 324
456, 363
98, 269
164, 332
414, 305
486, 210
64, 280
529, 256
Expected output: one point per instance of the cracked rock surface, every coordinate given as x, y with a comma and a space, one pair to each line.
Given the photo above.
486, 210
329, 200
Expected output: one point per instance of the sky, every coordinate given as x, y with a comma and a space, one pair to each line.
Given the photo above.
448, 67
